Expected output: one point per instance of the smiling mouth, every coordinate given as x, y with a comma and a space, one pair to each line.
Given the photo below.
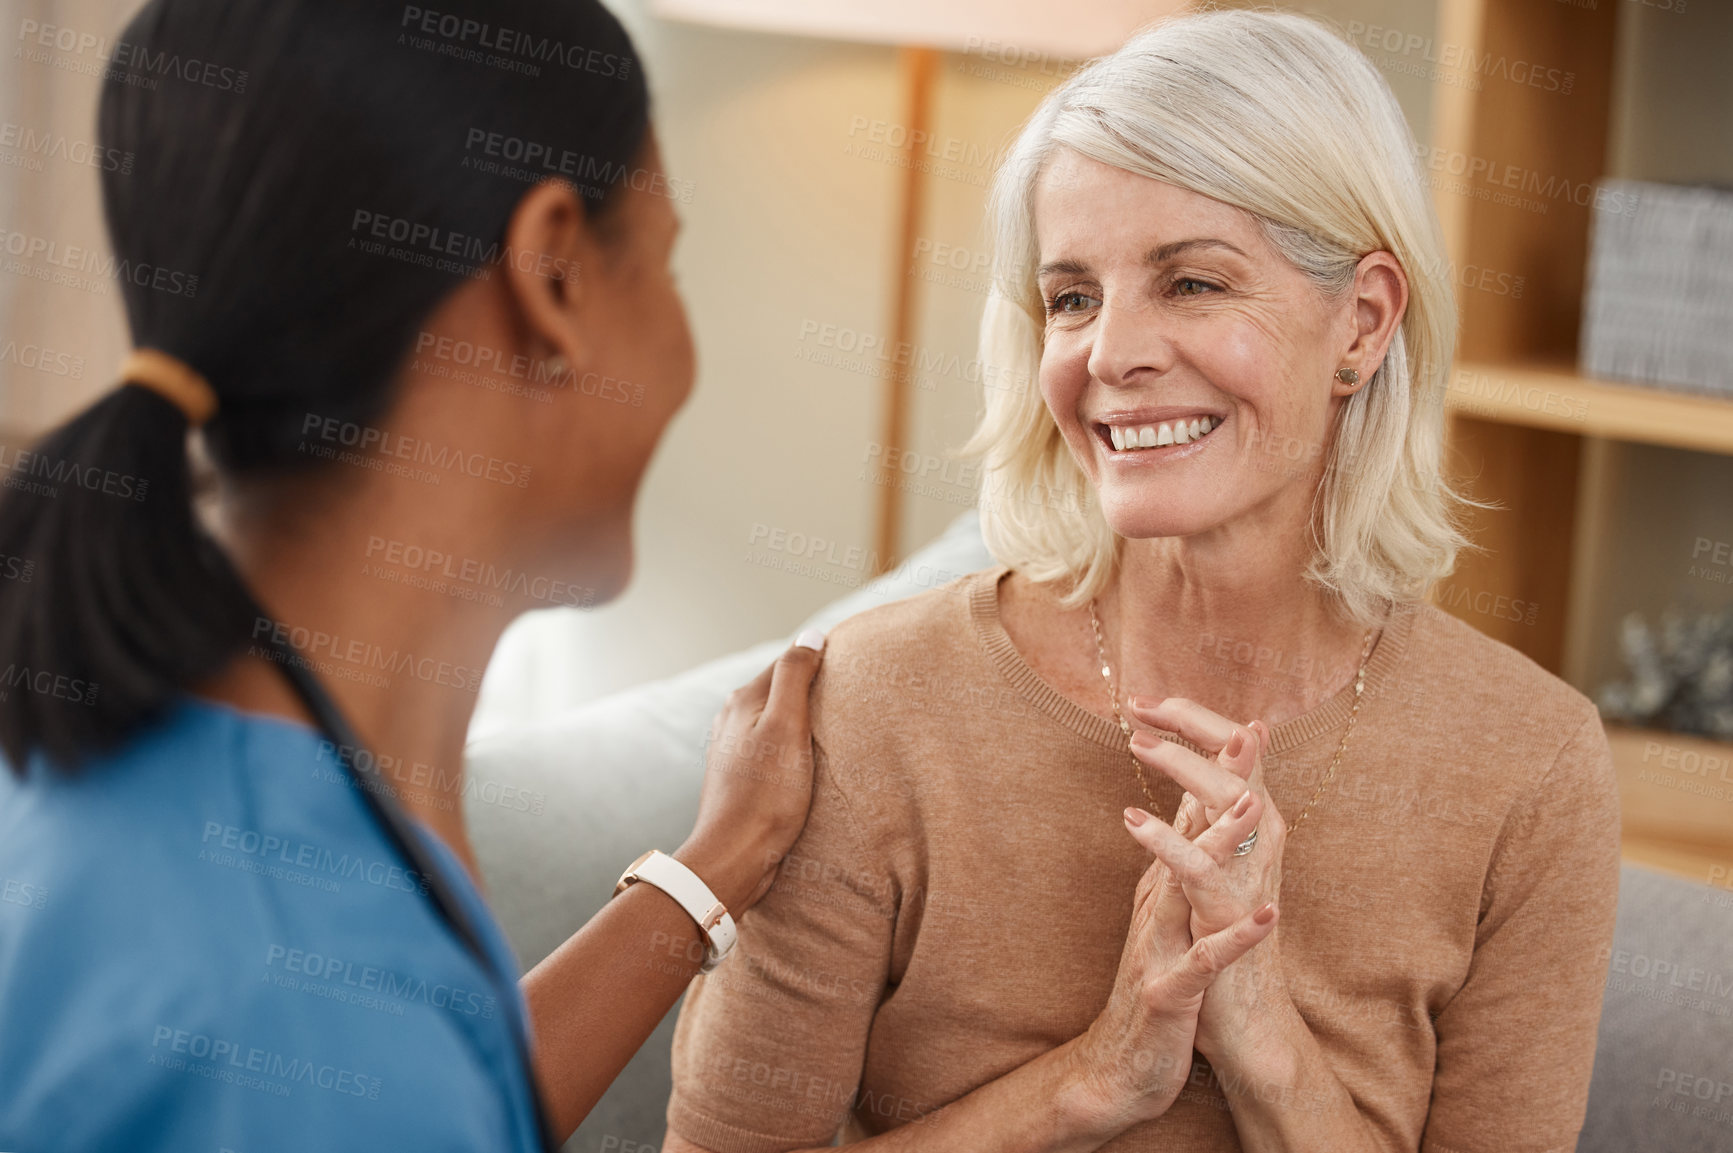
1149, 437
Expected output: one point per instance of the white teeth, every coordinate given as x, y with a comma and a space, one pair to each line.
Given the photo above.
1158, 435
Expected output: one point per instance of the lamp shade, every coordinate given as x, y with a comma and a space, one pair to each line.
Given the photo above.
1006, 29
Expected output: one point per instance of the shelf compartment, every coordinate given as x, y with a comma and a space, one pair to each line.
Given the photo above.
1676, 799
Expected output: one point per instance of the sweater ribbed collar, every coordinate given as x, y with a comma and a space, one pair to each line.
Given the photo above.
983, 597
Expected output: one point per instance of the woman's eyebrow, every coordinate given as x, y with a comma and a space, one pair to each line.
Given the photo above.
1167, 252
1158, 255
1062, 268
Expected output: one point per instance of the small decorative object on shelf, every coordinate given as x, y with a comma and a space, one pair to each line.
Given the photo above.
1658, 308
1680, 679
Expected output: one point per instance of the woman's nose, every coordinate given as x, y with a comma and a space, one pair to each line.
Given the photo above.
1130, 341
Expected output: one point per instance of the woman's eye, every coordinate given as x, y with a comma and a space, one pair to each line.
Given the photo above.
1188, 286
1068, 302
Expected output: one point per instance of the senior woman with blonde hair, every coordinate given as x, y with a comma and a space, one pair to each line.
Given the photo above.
1385, 846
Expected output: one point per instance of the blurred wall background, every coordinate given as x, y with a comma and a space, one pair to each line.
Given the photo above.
49, 193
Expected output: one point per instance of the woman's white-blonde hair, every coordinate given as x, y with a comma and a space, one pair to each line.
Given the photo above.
1274, 114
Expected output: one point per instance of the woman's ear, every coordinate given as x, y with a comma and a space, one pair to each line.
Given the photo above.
549, 250
1380, 300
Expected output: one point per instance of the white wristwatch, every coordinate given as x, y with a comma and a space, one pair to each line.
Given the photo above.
692, 894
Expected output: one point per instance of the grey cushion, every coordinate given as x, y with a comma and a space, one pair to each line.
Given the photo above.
557, 809
1663, 1078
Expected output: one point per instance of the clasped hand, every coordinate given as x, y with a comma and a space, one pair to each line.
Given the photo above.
1200, 967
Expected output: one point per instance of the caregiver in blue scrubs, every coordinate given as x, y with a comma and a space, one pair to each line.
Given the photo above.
406, 338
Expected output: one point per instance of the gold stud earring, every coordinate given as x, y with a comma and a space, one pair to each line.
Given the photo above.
1348, 376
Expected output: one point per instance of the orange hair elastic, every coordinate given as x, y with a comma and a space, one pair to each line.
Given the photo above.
173, 379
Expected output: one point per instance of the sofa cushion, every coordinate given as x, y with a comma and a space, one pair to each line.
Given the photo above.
1663, 1079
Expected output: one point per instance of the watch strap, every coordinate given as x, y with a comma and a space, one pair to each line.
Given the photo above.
691, 894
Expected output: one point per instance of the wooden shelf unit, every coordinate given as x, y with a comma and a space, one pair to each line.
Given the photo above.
1525, 429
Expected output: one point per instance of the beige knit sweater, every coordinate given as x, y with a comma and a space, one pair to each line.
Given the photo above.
959, 899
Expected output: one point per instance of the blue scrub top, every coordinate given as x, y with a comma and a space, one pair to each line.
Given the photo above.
207, 944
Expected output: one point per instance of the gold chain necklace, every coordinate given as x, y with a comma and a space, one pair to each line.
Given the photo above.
1353, 712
